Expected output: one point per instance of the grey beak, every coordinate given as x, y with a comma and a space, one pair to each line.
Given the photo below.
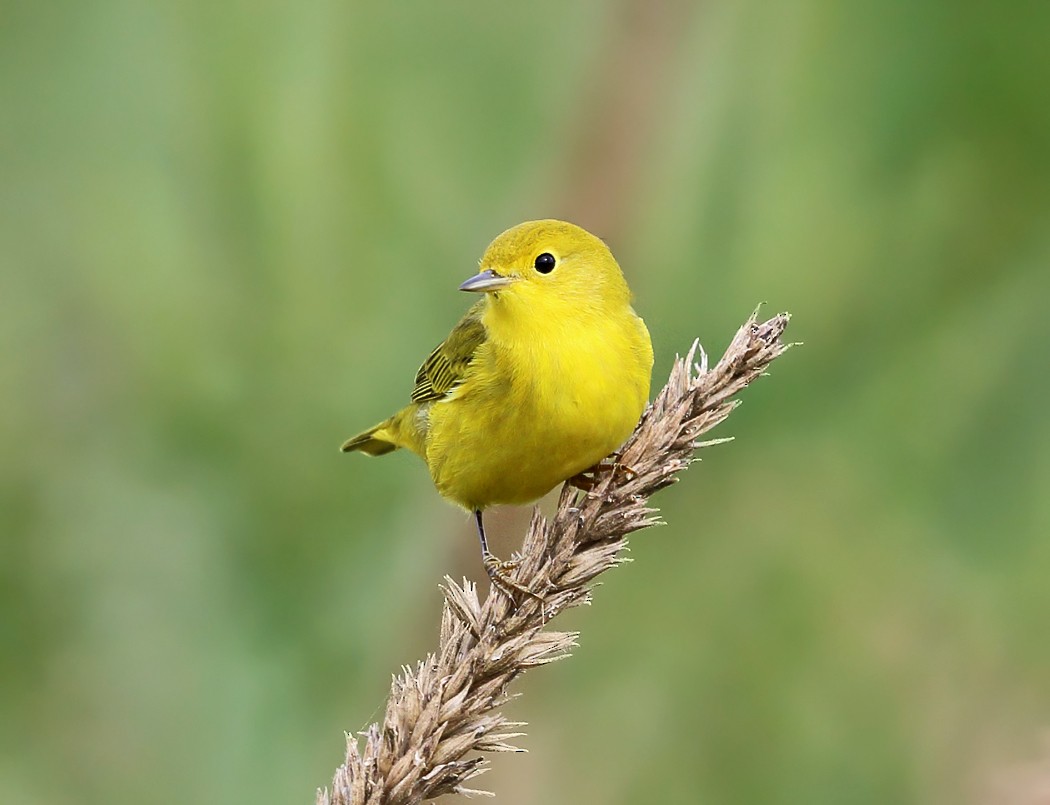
488, 280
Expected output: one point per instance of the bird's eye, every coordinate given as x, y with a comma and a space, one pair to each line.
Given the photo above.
545, 263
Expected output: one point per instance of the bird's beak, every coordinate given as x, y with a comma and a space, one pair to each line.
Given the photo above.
485, 282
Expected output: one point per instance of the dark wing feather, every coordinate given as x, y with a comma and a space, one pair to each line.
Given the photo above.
447, 365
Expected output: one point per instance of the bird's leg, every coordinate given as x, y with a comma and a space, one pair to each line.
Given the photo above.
588, 479
498, 570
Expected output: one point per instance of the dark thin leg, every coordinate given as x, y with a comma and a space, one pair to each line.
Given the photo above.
481, 533
498, 570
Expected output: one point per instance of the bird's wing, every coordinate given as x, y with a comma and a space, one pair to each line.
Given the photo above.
447, 365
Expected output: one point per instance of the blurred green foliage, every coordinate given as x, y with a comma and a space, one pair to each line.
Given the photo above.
230, 231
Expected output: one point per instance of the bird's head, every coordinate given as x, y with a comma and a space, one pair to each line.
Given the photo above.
547, 266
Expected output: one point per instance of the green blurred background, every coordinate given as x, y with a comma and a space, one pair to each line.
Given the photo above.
229, 232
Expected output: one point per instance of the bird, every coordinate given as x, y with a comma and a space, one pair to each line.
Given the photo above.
546, 375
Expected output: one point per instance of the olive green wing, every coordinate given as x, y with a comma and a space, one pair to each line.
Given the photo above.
447, 365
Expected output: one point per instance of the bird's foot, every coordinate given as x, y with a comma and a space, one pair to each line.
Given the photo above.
499, 572
589, 478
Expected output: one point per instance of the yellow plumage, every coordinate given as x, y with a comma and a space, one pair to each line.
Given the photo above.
545, 375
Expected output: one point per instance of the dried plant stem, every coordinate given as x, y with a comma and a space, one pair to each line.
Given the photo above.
442, 714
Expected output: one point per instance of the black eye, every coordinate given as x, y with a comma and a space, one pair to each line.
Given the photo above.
545, 263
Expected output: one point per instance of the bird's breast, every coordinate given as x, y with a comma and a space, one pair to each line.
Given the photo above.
536, 411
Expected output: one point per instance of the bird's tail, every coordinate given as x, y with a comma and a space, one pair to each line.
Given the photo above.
374, 441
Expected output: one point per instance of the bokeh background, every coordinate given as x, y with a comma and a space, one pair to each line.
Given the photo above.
229, 232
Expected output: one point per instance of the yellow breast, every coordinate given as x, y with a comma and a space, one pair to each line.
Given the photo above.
544, 401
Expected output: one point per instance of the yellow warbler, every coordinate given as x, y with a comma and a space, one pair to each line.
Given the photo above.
546, 375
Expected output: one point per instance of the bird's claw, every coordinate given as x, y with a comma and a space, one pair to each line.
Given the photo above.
588, 479
499, 572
